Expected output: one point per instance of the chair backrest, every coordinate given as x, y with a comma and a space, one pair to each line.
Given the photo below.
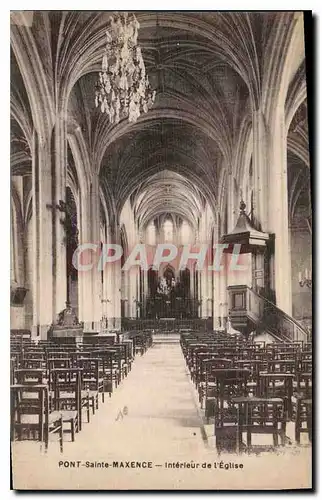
304, 385
29, 410
90, 372
282, 366
66, 381
53, 363
229, 382
29, 376
32, 363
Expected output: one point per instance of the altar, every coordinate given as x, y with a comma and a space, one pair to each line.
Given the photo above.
169, 298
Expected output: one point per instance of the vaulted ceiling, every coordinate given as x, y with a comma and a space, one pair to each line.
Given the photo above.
207, 70
200, 102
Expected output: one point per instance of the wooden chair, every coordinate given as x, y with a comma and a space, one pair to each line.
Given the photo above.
278, 385
260, 416
13, 368
106, 359
66, 378
116, 361
66, 398
30, 376
229, 383
303, 415
254, 366
130, 352
121, 357
92, 382
30, 414
303, 406
207, 388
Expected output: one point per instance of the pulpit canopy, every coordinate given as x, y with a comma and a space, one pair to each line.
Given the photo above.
245, 234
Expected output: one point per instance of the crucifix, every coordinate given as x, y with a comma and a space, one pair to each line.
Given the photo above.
67, 222
61, 206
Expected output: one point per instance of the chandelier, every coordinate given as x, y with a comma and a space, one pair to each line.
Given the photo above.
123, 89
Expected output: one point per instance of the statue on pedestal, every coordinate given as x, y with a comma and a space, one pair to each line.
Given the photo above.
67, 317
67, 324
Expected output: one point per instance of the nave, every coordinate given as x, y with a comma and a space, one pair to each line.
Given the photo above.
160, 180
155, 415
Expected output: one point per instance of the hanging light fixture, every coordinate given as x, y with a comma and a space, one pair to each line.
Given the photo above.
123, 89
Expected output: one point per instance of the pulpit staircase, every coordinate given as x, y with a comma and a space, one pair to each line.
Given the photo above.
250, 311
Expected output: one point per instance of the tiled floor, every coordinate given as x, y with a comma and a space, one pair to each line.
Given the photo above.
154, 417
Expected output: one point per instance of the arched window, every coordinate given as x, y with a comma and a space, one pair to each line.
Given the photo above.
185, 233
168, 230
151, 234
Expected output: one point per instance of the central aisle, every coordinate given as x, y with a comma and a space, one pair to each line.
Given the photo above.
152, 412
160, 424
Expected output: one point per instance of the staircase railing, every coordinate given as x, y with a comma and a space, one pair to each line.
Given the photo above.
274, 319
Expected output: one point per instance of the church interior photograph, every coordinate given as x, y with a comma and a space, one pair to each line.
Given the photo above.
161, 247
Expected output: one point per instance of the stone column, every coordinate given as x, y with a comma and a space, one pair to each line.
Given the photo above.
90, 280
260, 171
108, 286
104, 288
59, 145
113, 283
230, 200
43, 220
216, 282
95, 234
85, 277
117, 293
278, 221
204, 293
216, 300
199, 294
145, 290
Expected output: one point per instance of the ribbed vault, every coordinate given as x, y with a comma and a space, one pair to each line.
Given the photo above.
203, 92
208, 70
167, 192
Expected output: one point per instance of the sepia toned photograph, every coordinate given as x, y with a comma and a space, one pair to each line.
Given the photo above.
161, 250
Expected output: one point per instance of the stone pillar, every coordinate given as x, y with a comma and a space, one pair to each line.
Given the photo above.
199, 294
132, 294
90, 280
59, 144
113, 284
95, 234
43, 220
84, 277
204, 293
103, 285
230, 200
138, 309
108, 287
192, 281
145, 290
117, 293
278, 222
260, 171
216, 301
223, 294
